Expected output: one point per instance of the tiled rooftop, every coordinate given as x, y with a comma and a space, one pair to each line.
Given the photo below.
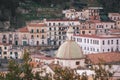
112, 57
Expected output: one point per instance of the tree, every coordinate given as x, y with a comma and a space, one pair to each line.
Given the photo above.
102, 72
68, 74
22, 71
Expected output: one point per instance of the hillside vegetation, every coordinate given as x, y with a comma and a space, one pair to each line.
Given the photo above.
19, 11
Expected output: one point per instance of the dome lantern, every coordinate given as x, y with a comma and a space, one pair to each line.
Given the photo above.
70, 33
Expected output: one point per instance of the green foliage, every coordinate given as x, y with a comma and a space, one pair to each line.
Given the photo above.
110, 5
102, 72
68, 74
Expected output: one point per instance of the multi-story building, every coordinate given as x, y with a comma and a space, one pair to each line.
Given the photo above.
87, 27
57, 30
98, 43
104, 27
89, 13
114, 16
92, 13
72, 14
34, 34
7, 51
9, 37
118, 24
38, 33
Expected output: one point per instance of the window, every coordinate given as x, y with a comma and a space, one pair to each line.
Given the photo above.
106, 25
42, 36
49, 24
37, 30
32, 30
84, 48
103, 42
10, 57
59, 37
77, 28
42, 42
10, 53
87, 40
59, 33
4, 36
37, 36
59, 24
5, 47
91, 41
42, 30
4, 52
55, 33
5, 57
32, 36
54, 28
108, 42
50, 29
97, 42
111, 41
83, 32
88, 48
89, 31
77, 63
84, 40
112, 26
108, 50
91, 49
53, 24
97, 50
117, 42
111, 49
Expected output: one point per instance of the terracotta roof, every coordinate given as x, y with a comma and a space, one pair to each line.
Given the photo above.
40, 56
23, 29
93, 21
104, 57
99, 36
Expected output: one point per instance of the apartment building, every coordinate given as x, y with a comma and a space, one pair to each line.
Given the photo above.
98, 43
34, 34
38, 33
114, 16
87, 27
118, 24
7, 51
72, 14
88, 13
57, 30
104, 27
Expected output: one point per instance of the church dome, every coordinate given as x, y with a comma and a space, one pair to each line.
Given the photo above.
69, 50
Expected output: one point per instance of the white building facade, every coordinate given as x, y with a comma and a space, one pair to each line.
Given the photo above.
98, 44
